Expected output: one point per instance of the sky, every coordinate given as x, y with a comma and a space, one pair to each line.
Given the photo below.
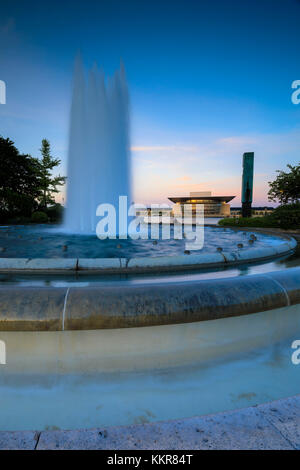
208, 81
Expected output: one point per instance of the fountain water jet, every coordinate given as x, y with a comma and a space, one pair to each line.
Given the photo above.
99, 168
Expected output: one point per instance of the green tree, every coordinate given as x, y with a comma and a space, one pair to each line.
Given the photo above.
19, 181
47, 182
286, 187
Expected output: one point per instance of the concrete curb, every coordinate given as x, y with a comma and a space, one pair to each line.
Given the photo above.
274, 425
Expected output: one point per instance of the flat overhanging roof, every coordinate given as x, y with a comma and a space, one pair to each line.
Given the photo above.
189, 199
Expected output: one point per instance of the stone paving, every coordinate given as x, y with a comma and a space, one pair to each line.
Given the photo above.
274, 425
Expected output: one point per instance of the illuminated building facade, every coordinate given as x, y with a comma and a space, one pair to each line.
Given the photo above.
214, 206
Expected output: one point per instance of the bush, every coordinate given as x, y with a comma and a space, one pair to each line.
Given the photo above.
4, 216
264, 222
19, 220
288, 215
55, 213
39, 217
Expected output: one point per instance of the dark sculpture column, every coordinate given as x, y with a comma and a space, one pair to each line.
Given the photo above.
247, 183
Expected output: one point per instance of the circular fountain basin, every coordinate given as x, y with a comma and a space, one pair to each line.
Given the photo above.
89, 354
39, 249
94, 357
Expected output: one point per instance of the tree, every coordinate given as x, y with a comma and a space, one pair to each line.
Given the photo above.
19, 181
26, 183
48, 183
286, 187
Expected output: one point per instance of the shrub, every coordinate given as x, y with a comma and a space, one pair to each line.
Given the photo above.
4, 216
263, 222
19, 220
39, 217
55, 213
288, 215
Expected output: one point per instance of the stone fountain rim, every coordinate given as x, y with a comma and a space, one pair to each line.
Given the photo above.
50, 309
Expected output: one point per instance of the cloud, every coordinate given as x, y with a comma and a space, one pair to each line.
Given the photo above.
215, 164
184, 178
238, 140
164, 148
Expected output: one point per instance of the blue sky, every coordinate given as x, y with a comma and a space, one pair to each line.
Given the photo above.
208, 81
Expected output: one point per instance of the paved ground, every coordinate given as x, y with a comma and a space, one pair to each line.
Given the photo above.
271, 426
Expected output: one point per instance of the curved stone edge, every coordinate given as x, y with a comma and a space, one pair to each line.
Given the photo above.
273, 425
149, 264
109, 307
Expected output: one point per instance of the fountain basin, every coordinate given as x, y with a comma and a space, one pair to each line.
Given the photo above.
224, 345
102, 355
267, 246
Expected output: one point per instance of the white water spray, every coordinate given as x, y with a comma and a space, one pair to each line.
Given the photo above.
99, 169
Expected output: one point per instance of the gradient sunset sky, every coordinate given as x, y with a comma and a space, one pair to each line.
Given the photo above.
208, 81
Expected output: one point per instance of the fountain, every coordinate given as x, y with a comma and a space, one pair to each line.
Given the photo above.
99, 150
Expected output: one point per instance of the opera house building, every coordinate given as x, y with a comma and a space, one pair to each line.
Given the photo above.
214, 206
